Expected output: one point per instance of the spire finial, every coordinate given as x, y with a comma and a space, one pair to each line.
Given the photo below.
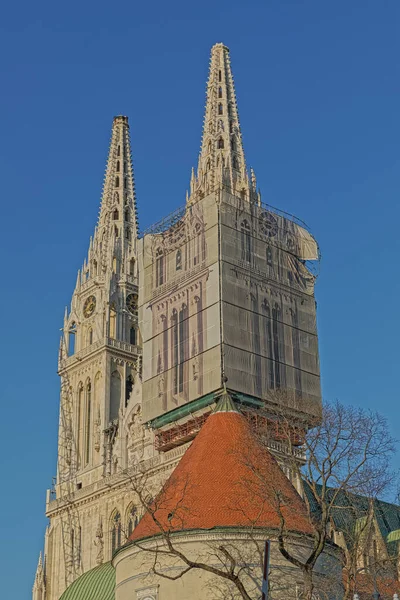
221, 147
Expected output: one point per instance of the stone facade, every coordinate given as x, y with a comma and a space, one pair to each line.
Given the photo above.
105, 437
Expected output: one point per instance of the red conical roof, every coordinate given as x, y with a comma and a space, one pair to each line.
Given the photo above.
225, 479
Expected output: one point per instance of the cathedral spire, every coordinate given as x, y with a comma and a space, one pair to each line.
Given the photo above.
118, 210
221, 160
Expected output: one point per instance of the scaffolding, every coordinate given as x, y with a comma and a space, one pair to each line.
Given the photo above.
66, 483
185, 432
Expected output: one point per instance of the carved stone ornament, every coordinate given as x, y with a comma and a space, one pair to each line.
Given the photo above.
99, 543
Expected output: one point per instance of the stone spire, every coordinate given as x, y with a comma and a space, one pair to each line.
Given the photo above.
117, 225
221, 161
39, 583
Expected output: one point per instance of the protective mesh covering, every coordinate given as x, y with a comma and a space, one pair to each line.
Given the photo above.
227, 291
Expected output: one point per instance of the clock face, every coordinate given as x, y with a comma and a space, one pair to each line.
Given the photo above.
89, 306
268, 224
132, 302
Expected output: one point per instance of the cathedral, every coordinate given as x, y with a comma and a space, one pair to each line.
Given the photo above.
172, 334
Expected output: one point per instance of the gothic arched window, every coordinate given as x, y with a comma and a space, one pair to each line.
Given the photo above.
132, 266
115, 395
126, 215
220, 92
180, 346
115, 214
95, 267
245, 241
90, 336
132, 336
119, 151
132, 519
79, 421
220, 109
220, 143
219, 75
116, 197
276, 327
116, 529
71, 339
88, 421
159, 267
178, 260
117, 181
118, 166
270, 349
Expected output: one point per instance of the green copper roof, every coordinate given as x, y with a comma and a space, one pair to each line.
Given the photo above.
96, 584
225, 403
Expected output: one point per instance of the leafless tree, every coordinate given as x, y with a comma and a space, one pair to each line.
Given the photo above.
347, 451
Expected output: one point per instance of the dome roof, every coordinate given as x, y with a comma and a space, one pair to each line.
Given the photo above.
225, 479
96, 584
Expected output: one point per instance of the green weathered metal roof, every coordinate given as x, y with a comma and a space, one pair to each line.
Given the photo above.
225, 403
96, 584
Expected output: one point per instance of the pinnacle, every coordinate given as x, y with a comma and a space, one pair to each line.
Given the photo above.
221, 161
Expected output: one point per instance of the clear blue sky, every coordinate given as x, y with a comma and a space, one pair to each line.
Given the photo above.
318, 92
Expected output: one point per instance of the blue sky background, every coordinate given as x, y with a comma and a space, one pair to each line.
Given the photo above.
318, 93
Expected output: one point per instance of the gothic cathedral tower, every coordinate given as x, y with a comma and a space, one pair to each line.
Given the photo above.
99, 361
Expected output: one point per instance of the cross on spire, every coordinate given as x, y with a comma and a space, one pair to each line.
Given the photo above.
221, 161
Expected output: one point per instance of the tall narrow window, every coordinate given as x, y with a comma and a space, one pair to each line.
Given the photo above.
182, 346
159, 267
132, 518
88, 421
197, 246
115, 395
113, 322
220, 143
235, 163
175, 348
132, 336
119, 151
115, 532
128, 234
275, 334
220, 92
233, 144
245, 241
117, 181
132, 267
115, 215
220, 109
270, 348
95, 267
125, 183
269, 256
118, 166
90, 336
127, 215
79, 419
219, 75
71, 339
178, 260
116, 197
180, 342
